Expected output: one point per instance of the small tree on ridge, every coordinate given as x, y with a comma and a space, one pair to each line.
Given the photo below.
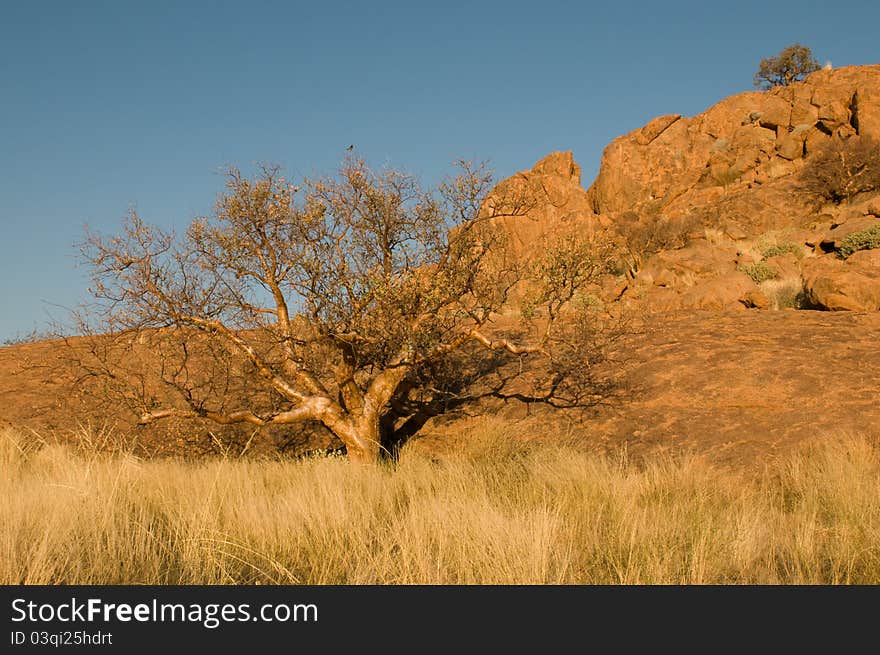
791, 65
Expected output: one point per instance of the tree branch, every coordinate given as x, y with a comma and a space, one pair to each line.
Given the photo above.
504, 344
216, 327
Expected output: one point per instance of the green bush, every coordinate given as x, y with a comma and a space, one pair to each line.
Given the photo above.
759, 271
782, 249
791, 65
864, 240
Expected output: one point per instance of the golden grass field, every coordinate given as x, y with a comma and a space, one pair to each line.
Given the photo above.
529, 514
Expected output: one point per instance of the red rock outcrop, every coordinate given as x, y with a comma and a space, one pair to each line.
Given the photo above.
676, 164
732, 174
557, 203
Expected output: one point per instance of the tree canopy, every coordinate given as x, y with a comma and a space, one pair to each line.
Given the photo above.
334, 299
791, 65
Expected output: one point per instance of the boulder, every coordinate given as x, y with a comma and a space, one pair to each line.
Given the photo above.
558, 204
656, 300
815, 139
833, 114
734, 169
719, 293
755, 299
559, 165
787, 265
803, 112
792, 146
851, 285
866, 110
867, 260
856, 88
775, 113
655, 128
683, 267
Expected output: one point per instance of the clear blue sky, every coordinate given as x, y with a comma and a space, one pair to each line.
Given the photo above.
107, 105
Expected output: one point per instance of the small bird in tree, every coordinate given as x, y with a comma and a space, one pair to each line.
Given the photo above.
350, 148
791, 65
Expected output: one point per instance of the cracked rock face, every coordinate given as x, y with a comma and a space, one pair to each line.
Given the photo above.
674, 162
559, 204
733, 173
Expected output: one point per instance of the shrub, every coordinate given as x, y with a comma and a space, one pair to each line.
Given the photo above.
786, 293
782, 249
864, 240
34, 336
759, 271
727, 177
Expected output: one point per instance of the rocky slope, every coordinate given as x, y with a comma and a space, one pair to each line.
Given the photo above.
750, 141
736, 387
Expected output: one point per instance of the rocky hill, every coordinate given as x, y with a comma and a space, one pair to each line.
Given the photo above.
727, 238
738, 156
722, 201
737, 237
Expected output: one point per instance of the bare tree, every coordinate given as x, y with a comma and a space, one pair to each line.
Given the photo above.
330, 301
842, 169
647, 234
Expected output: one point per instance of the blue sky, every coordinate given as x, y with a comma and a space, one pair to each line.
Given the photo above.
111, 105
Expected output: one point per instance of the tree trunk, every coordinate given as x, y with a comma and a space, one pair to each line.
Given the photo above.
361, 437
360, 430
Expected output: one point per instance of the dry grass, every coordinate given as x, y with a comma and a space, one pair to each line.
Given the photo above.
770, 243
530, 514
716, 236
784, 293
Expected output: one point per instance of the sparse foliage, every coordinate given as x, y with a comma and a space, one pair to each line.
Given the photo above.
34, 336
791, 65
336, 304
726, 177
646, 235
843, 169
786, 293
